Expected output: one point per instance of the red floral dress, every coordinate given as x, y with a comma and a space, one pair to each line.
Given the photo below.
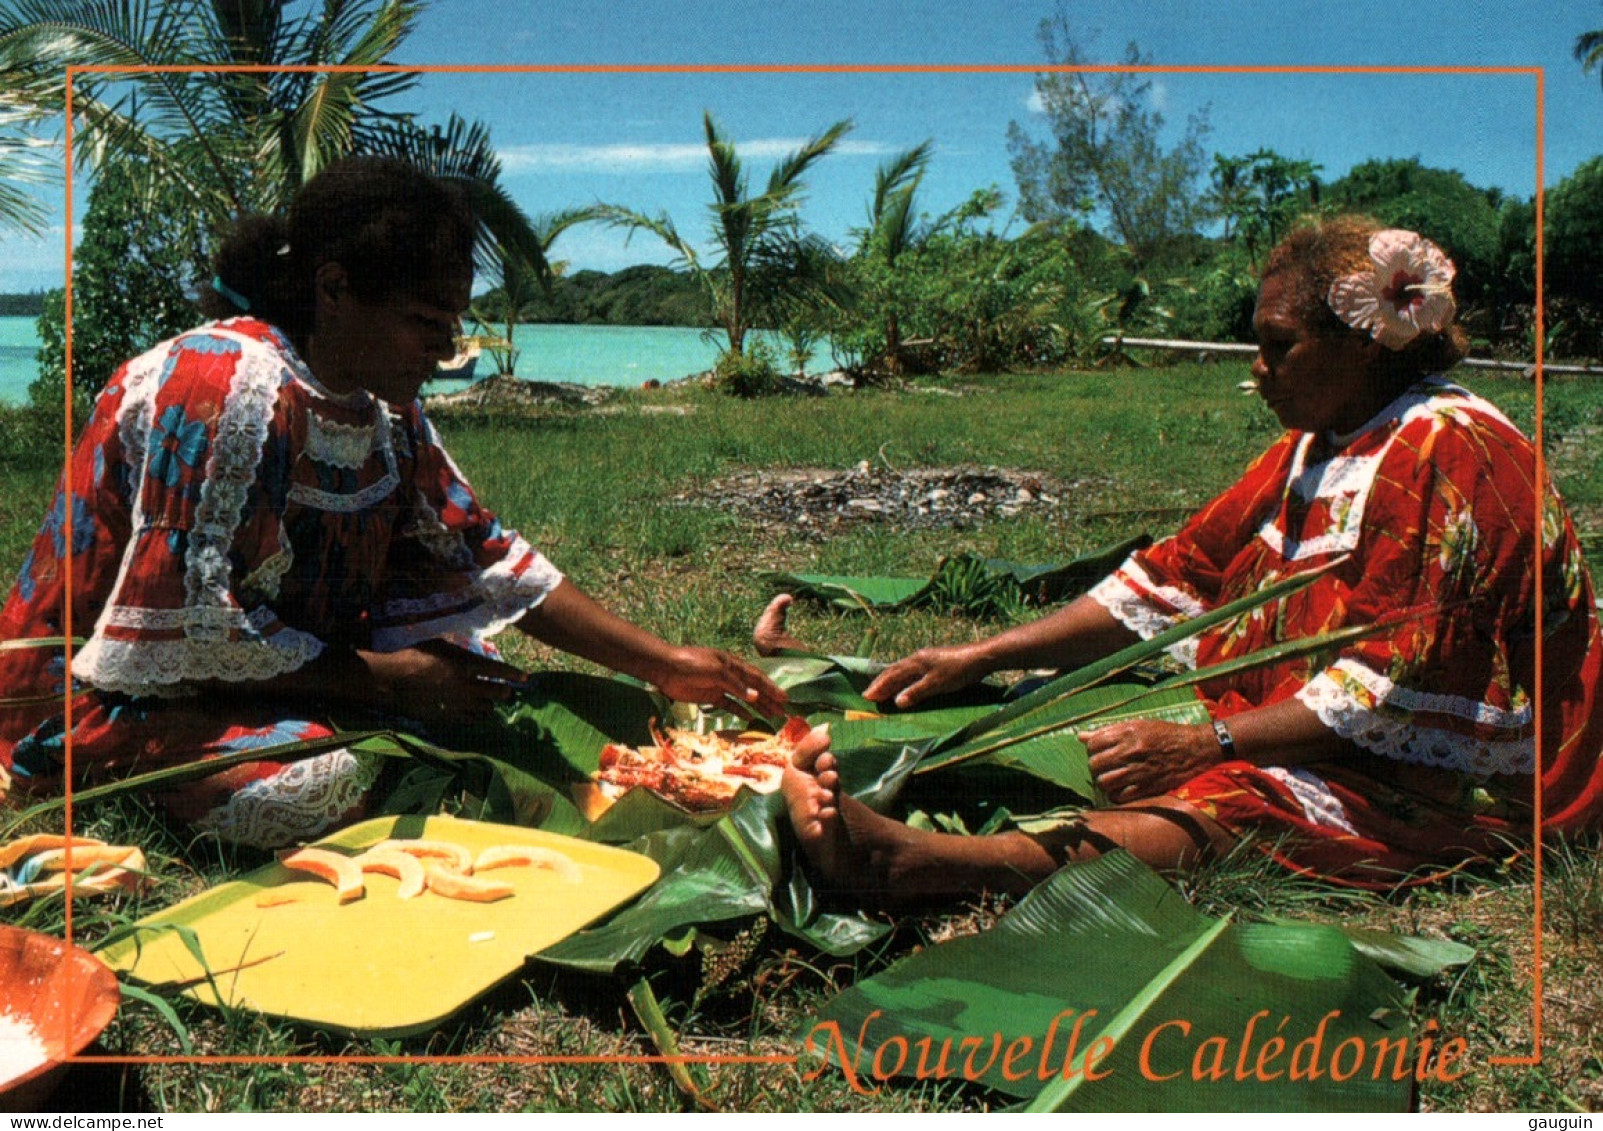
228, 519
1427, 518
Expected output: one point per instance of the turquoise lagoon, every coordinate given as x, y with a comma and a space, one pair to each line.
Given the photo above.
580, 355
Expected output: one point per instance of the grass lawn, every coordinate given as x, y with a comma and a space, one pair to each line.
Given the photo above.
596, 490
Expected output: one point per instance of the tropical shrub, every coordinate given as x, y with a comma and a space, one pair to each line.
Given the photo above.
131, 277
752, 372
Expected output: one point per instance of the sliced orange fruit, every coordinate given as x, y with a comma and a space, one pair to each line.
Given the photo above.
341, 871
454, 885
393, 862
83, 856
454, 856
525, 856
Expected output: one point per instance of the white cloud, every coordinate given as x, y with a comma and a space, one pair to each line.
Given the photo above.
1035, 104
659, 156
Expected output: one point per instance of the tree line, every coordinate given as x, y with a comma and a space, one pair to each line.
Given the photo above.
1108, 228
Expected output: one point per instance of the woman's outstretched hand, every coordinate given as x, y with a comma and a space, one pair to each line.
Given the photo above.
707, 675
1145, 757
929, 671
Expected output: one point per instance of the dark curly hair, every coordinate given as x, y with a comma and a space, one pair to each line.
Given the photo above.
1321, 250
394, 228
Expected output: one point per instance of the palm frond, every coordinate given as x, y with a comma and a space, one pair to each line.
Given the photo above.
1589, 50
900, 172
661, 226
786, 175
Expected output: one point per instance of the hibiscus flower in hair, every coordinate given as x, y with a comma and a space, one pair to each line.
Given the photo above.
1407, 291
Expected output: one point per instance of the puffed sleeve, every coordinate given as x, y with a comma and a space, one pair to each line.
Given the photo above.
194, 425
453, 568
1450, 549
1179, 577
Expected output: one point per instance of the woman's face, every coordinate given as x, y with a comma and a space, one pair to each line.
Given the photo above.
388, 347
1311, 382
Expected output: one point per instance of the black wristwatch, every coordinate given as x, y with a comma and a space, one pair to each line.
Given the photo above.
1226, 743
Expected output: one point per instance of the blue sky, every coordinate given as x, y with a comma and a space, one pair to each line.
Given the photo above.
570, 139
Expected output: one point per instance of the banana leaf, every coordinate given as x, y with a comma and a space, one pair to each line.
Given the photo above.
734, 869
1034, 584
510, 793
1127, 658
1416, 956
1103, 990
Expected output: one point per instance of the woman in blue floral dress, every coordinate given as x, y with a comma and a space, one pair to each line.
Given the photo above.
260, 527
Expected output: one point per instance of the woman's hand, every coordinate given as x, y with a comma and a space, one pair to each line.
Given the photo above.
927, 672
438, 682
1144, 757
706, 675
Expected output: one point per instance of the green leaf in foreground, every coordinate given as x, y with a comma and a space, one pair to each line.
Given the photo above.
1103, 990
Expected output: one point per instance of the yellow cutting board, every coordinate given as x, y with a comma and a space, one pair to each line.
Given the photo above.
278, 942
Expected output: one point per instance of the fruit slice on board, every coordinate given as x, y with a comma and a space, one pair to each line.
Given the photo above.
528, 855
341, 871
393, 862
454, 856
454, 885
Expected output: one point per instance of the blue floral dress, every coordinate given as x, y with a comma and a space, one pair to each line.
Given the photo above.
223, 520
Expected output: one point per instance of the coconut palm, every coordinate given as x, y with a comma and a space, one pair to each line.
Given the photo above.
240, 142
22, 162
234, 142
521, 285
763, 256
1589, 51
893, 229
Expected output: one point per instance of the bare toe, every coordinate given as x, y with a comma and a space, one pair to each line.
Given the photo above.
769, 635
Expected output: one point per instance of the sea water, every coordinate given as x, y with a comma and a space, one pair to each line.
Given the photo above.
580, 355
18, 343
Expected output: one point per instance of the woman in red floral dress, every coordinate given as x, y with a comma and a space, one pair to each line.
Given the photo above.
259, 527
1412, 749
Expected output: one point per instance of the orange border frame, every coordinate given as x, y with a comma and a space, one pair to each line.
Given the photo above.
1539, 74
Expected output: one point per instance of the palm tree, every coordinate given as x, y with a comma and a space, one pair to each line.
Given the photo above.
893, 229
521, 285
22, 162
239, 142
758, 238
234, 142
1589, 51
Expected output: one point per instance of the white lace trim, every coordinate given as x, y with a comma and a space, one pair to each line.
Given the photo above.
369, 496
1137, 613
210, 618
236, 450
1377, 730
160, 667
1319, 804
268, 578
365, 499
498, 597
338, 445
1343, 482
302, 800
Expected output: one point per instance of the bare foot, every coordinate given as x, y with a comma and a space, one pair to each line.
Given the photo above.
867, 858
769, 635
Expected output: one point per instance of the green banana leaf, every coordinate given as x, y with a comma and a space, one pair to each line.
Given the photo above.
1416, 956
1105, 973
1033, 584
735, 869
1125, 659
509, 792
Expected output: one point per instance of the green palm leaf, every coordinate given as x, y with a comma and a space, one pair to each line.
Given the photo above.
1110, 946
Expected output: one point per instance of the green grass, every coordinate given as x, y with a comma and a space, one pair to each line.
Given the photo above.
594, 489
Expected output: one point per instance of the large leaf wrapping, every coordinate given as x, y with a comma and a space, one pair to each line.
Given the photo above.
1110, 946
991, 577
